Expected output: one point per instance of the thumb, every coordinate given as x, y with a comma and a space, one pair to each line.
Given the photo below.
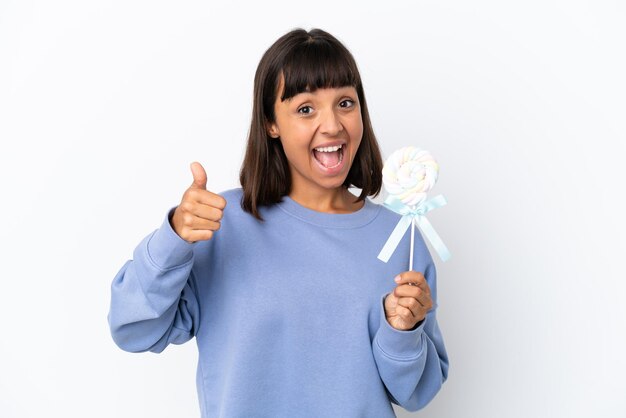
199, 176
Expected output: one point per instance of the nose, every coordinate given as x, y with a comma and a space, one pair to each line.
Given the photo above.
330, 124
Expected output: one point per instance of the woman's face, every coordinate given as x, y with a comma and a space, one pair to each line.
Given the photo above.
320, 132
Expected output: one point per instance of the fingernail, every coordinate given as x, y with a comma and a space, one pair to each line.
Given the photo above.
398, 278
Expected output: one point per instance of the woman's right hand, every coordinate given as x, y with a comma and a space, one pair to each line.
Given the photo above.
200, 211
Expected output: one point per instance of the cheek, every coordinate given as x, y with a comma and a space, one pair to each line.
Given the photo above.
356, 128
292, 128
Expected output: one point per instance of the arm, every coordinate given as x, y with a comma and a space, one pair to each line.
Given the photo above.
413, 364
154, 296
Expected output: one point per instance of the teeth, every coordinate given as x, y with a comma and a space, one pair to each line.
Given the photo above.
328, 149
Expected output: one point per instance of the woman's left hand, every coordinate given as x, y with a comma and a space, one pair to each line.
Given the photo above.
408, 304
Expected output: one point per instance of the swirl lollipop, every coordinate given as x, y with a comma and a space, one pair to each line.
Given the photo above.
408, 174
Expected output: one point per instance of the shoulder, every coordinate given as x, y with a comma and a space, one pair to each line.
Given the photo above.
234, 205
233, 201
386, 215
232, 196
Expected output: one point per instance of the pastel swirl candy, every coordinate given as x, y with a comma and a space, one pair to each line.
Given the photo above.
409, 173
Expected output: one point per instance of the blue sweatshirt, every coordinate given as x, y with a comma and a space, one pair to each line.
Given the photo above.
288, 314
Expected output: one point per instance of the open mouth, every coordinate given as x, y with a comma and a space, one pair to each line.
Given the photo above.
329, 157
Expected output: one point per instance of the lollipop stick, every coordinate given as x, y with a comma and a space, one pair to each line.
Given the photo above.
412, 241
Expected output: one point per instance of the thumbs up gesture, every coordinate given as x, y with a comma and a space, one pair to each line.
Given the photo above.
200, 211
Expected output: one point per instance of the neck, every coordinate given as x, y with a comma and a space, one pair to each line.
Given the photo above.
338, 200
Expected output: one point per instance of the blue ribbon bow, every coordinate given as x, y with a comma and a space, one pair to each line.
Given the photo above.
414, 215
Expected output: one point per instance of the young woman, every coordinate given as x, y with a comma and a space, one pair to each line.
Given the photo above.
279, 280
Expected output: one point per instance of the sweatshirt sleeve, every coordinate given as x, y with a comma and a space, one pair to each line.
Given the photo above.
413, 364
154, 295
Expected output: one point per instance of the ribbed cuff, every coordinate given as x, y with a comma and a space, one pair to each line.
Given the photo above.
166, 248
398, 343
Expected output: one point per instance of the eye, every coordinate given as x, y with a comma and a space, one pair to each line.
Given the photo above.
305, 110
347, 103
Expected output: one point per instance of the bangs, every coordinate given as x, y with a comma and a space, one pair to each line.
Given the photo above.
318, 64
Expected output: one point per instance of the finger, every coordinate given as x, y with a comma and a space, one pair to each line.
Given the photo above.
194, 222
210, 213
200, 235
416, 308
199, 176
206, 198
211, 199
406, 290
204, 224
422, 299
410, 303
404, 312
414, 277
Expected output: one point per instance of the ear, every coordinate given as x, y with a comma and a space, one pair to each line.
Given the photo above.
272, 130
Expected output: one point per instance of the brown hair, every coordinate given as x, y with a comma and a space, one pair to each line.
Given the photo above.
307, 61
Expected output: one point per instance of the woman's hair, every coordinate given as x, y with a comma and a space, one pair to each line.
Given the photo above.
307, 61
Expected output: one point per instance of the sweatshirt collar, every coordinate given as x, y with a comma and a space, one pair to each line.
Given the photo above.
357, 219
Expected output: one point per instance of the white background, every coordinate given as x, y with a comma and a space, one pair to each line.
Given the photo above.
103, 106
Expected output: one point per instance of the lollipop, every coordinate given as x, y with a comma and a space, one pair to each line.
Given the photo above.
408, 174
